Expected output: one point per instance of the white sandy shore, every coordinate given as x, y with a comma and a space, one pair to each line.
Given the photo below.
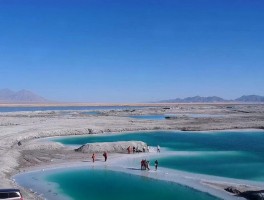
28, 126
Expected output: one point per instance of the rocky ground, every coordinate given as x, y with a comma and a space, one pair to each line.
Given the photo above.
28, 126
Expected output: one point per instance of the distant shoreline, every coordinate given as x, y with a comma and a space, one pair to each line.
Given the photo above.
10, 104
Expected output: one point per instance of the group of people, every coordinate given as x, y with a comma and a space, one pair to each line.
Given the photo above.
137, 150
145, 164
104, 155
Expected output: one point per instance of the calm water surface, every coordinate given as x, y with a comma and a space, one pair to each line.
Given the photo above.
67, 108
101, 185
149, 117
228, 154
94, 184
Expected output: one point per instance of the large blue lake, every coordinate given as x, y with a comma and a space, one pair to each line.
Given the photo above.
66, 108
237, 155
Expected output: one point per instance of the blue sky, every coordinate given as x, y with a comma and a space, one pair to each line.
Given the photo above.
133, 50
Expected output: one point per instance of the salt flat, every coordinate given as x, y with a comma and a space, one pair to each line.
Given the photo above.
28, 126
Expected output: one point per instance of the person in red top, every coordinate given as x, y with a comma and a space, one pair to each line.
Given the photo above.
128, 150
105, 155
93, 157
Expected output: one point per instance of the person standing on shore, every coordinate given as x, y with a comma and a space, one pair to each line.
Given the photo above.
93, 157
156, 164
128, 150
147, 165
142, 164
105, 155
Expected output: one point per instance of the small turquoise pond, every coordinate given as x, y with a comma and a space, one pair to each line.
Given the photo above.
149, 117
91, 113
83, 184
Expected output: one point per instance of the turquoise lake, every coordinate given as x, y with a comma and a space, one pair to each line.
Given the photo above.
82, 183
103, 184
237, 155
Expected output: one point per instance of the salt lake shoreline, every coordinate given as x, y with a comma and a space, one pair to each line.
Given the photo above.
211, 185
27, 126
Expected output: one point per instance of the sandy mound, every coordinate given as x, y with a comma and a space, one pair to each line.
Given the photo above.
43, 146
112, 147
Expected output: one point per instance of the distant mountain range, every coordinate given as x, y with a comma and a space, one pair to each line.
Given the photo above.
26, 96
22, 96
215, 99
250, 98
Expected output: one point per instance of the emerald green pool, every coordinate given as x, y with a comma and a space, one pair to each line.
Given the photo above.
239, 165
82, 183
237, 155
86, 184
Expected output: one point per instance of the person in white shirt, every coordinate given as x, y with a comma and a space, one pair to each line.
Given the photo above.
158, 149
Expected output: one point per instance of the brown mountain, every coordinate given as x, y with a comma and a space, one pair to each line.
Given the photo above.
22, 96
